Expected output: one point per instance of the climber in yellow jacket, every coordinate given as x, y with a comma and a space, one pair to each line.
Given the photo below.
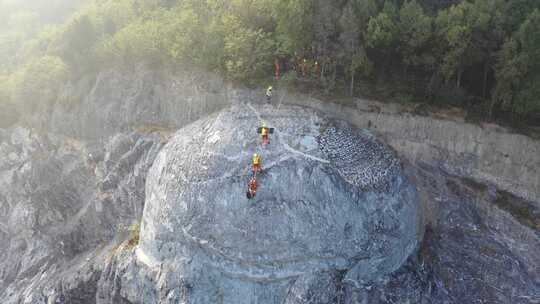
265, 133
256, 162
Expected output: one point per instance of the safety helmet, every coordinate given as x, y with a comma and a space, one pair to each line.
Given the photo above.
270, 88
255, 155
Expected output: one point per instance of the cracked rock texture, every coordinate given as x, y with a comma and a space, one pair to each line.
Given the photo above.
70, 189
486, 153
63, 204
351, 219
118, 101
473, 252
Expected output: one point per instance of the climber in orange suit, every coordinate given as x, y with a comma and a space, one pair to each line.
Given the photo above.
252, 188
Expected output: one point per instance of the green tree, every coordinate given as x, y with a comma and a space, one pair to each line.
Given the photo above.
415, 34
518, 69
326, 45
516, 11
382, 30
37, 83
255, 14
353, 22
475, 40
184, 35
471, 33
294, 25
488, 36
456, 34
75, 43
248, 53
109, 16
138, 42
211, 54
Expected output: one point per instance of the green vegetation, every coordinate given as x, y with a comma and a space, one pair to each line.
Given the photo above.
479, 53
38, 81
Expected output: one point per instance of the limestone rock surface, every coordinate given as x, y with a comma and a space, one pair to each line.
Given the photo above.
63, 203
333, 199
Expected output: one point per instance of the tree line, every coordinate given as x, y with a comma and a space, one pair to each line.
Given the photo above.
480, 53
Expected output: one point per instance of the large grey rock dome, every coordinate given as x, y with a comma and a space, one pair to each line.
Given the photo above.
333, 205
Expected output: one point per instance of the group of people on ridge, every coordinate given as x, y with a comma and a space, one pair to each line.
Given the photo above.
302, 66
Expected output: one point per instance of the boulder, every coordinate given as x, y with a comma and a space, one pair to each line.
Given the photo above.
332, 199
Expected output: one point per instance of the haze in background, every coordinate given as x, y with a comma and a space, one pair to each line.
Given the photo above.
480, 55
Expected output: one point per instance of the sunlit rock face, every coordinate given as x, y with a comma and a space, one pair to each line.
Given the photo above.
333, 205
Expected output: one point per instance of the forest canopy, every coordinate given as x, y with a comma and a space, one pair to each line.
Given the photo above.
481, 53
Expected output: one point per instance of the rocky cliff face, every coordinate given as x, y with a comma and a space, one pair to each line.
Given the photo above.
66, 204
332, 201
119, 101
226, 249
63, 203
486, 154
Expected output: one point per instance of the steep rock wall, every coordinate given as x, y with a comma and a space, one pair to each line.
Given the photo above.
118, 101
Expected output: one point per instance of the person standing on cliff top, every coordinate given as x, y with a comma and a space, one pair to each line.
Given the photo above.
269, 94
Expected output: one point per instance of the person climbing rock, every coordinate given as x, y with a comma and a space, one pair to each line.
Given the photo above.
252, 188
269, 93
256, 162
265, 133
